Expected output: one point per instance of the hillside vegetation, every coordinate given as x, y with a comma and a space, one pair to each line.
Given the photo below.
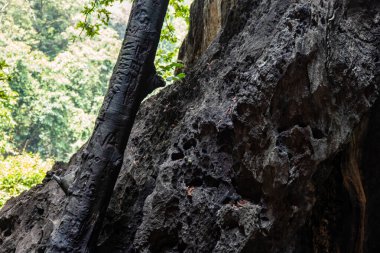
56, 58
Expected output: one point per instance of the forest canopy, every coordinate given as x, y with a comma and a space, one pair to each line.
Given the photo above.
56, 58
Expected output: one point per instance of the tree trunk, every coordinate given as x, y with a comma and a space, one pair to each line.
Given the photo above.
134, 77
270, 144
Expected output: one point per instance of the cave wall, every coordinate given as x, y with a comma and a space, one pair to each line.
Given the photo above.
268, 145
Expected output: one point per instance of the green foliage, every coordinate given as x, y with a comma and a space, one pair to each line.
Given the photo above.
39, 23
52, 86
50, 96
97, 15
51, 19
177, 17
19, 173
7, 102
3, 75
59, 100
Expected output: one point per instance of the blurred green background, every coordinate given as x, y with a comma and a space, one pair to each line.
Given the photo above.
56, 58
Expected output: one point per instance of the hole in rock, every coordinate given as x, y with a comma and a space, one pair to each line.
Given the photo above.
317, 134
189, 144
7, 226
177, 156
211, 182
162, 240
40, 211
247, 186
7, 233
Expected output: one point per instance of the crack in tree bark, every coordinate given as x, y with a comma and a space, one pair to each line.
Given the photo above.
134, 77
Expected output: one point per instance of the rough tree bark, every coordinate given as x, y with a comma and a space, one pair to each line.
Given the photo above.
134, 77
270, 144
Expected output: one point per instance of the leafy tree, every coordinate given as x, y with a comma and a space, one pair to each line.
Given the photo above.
7, 101
97, 15
57, 84
58, 97
51, 19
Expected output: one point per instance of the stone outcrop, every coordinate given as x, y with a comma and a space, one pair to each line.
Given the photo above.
206, 21
270, 144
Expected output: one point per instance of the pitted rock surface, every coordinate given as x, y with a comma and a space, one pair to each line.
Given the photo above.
267, 145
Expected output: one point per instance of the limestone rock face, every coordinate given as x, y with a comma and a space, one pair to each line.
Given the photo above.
270, 144
206, 20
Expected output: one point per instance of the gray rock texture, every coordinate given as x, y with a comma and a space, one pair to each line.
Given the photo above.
270, 144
